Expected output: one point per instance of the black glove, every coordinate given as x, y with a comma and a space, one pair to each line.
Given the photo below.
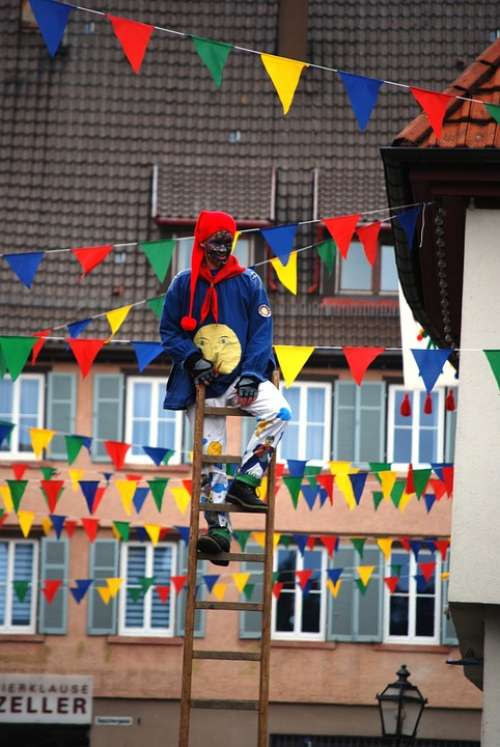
201, 370
247, 388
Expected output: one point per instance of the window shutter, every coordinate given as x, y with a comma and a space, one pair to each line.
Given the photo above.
340, 610
344, 427
251, 622
448, 632
450, 431
368, 607
107, 413
370, 437
103, 564
61, 408
54, 565
180, 611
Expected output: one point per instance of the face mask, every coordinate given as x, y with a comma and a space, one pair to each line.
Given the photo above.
217, 250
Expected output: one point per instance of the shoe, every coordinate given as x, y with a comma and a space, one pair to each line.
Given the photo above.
244, 495
217, 540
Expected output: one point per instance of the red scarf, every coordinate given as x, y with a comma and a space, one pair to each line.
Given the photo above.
230, 269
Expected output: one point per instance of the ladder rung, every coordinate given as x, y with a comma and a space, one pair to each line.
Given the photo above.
225, 507
227, 655
244, 606
220, 458
230, 705
257, 557
227, 411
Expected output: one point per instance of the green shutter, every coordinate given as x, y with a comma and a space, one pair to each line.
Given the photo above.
344, 425
340, 610
359, 421
448, 632
54, 565
104, 556
450, 432
180, 612
251, 622
61, 409
107, 413
368, 607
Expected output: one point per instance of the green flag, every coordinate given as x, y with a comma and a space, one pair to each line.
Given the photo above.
3, 367
21, 589
135, 593
146, 583
159, 254
285, 540
168, 456
214, 55
359, 544
293, 484
310, 473
248, 591
17, 488
122, 527
157, 487
494, 361
361, 585
397, 491
73, 447
15, 352
494, 110
327, 251
420, 480
395, 569
48, 472
378, 497
241, 536
156, 305
377, 467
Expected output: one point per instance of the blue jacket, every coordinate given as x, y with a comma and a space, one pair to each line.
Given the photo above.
239, 344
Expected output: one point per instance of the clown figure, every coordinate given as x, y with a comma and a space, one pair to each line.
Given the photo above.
216, 326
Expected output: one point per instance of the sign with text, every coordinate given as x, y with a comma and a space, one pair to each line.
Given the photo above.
45, 699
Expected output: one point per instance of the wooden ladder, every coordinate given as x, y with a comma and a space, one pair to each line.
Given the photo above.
192, 604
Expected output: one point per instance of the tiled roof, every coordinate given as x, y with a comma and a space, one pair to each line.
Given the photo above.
80, 135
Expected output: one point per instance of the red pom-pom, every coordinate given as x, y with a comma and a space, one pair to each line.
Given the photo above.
428, 404
405, 408
188, 323
450, 401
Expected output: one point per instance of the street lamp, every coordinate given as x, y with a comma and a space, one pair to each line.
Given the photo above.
401, 705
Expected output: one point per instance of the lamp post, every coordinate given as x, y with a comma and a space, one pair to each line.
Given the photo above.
401, 705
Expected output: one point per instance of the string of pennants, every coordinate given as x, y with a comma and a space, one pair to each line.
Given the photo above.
285, 73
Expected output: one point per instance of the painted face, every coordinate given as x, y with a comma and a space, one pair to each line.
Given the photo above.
219, 345
217, 248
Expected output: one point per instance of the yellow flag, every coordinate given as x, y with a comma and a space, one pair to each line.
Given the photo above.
445, 575
126, 490
334, 588
345, 486
260, 538
276, 539
365, 573
40, 439
387, 480
104, 593
219, 590
182, 498
287, 273
26, 519
75, 475
116, 533
261, 490
285, 75
385, 544
153, 531
46, 525
240, 580
292, 359
114, 585
235, 240
7, 498
116, 317
342, 468
405, 499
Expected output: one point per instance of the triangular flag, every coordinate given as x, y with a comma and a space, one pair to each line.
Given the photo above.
248, 591
334, 588
287, 274
277, 589
153, 531
334, 574
114, 586
156, 305
330, 542
52, 490
15, 352
365, 573
240, 580
214, 55
48, 472
368, 235
126, 491
359, 359
117, 451
242, 536
442, 547
259, 538
57, 523
184, 533
404, 500
210, 581
140, 495
427, 569
179, 582
146, 353
182, 498
50, 588
311, 472
75, 329
397, 492
90, 526
25, 519
281, 240
326, 481
75, 475
74, 444
434, 105
407, 219
359, 544
37, 347
387, 482
52, 19
122, 529
5, 430
493, 357
146, 582
292, 359
21, 589
429, 500
311, 541
301, 541
358, 484
157, 487
341, 230
85, 352
89, 490
46, 525
392, 583
303, 577
17, 489
285, 75
296, 467
430, 364
40, 439
159, 255
327, 252
82, 587
188, 484
344, 484
70, 526
24, 265
219, 590
420, 480
416, 546
116, 317
447, 478
104, 593
91, 256
134, 39
155, 453
363, 93
378, 497
310, 493
163, 593
385, 545
493, 110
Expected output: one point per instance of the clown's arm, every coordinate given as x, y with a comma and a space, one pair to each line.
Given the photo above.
258, 349
177, 343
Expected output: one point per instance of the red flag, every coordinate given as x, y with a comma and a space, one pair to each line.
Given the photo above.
392, 583
438, 487
70, 526
304, 576
280, 469
410, 485
311, 541
448, 473
329, 542
188, 484
35, 350
326, 481
85, 352
163, 592
91, 256
91, 526
52, 490
368, 235
341, 230
405, 543
50, 588
117, 451
99, 493
442, 546
434, 105
359, 359
3, 517
164, 532
134, 477
277, 587
134, 38
428, 570
19, 470
178, 582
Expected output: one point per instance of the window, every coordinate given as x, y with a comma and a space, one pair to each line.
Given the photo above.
356, 275
308, 434
418, 438
147, 423
412, 611
359, 422
184, 248
21, 402
142, 612
300, 613
18, 574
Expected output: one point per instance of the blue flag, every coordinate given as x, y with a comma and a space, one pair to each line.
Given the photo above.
301, 541
358, 483
142, 535
82, 587
416, 546
57, 523
323, 495
89, 489
296, 467
140, 495
156, 453
363, 94
24, 265
310, 493
211, 580
76, 328
146, 352
334, 574
184, 532
52, 19
429, 499
5, 430
281, 239
407, 219
430, 364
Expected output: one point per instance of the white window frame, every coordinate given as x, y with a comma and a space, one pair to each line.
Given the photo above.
157, 393
146, 629
415, 429
411, 638
14, 452
297, 633
7, 627
301, 418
